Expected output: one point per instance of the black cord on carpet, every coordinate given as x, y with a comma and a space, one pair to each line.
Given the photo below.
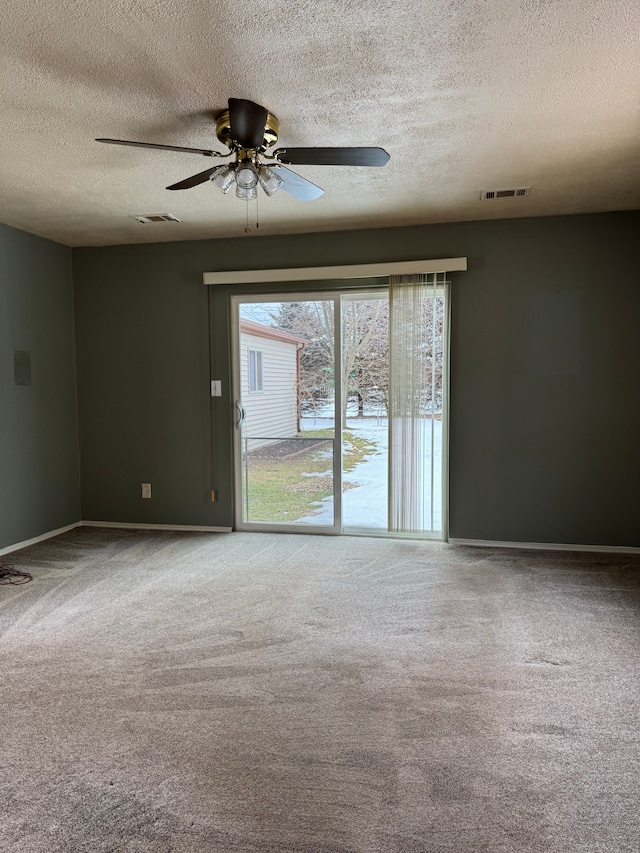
9, 575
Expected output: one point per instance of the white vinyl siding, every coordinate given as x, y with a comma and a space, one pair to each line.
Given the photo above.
274, 412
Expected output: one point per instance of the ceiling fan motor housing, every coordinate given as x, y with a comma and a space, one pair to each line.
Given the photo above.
223, 130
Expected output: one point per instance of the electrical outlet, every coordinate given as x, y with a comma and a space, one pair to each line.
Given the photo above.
146, 490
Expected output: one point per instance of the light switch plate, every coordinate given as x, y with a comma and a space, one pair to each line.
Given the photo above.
216, 388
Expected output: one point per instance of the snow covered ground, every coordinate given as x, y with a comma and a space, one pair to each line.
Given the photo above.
366, 506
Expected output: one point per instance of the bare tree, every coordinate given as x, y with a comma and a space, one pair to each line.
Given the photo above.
308, 321
365, 350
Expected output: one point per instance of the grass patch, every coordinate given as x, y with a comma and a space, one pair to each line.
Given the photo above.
278, 489
355, 449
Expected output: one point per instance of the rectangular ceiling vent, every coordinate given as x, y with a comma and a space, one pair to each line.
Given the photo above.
514, 192
145, 218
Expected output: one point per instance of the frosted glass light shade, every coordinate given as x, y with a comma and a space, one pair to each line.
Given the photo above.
223, 177
246, 176
246, 192
270, 181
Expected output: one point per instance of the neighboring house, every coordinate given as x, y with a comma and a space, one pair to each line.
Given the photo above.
269, 382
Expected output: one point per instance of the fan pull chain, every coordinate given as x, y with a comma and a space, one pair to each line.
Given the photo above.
247, 230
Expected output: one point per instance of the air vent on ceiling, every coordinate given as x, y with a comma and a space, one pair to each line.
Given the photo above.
145, 218
514, 192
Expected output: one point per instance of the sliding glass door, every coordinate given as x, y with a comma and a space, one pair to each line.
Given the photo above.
365, 415
340, 400
287, 411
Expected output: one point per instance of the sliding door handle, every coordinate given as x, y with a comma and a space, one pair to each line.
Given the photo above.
241, 412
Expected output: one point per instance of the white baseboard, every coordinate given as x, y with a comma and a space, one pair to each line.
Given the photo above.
134, 526
48, 535
477, 543
17, 546
545, 546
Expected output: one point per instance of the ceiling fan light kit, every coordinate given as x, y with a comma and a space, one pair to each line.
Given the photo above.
246, 193
223, 177
248, 130
269, 180
246, 175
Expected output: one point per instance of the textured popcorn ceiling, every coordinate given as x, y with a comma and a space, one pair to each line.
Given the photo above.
465, 95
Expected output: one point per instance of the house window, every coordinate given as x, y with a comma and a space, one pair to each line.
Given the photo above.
256, 375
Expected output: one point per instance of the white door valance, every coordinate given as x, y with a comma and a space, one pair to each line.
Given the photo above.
323, 273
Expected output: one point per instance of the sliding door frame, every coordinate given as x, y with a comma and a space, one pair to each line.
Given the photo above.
335, 297
335, 293
446, 374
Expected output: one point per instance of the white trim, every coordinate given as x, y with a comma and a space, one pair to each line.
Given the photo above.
545, 546
478, 543
282, 527
134, 526
380, 533
321, 273
17, 546
236, 405
446, 403
338, 425
306, 529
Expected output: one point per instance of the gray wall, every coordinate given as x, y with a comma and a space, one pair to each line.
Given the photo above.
545, 352
39, 476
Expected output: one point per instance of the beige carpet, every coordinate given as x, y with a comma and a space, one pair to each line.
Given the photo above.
254, 692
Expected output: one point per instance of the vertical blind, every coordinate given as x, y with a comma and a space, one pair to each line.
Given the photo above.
416, 329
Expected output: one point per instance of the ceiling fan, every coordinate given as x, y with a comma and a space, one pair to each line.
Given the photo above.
248, 130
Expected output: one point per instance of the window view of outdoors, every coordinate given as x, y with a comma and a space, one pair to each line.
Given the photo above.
289, 431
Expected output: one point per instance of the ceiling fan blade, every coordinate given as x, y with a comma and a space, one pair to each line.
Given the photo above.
332, 156
296, 185
247, 121
204, 151
194, 180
